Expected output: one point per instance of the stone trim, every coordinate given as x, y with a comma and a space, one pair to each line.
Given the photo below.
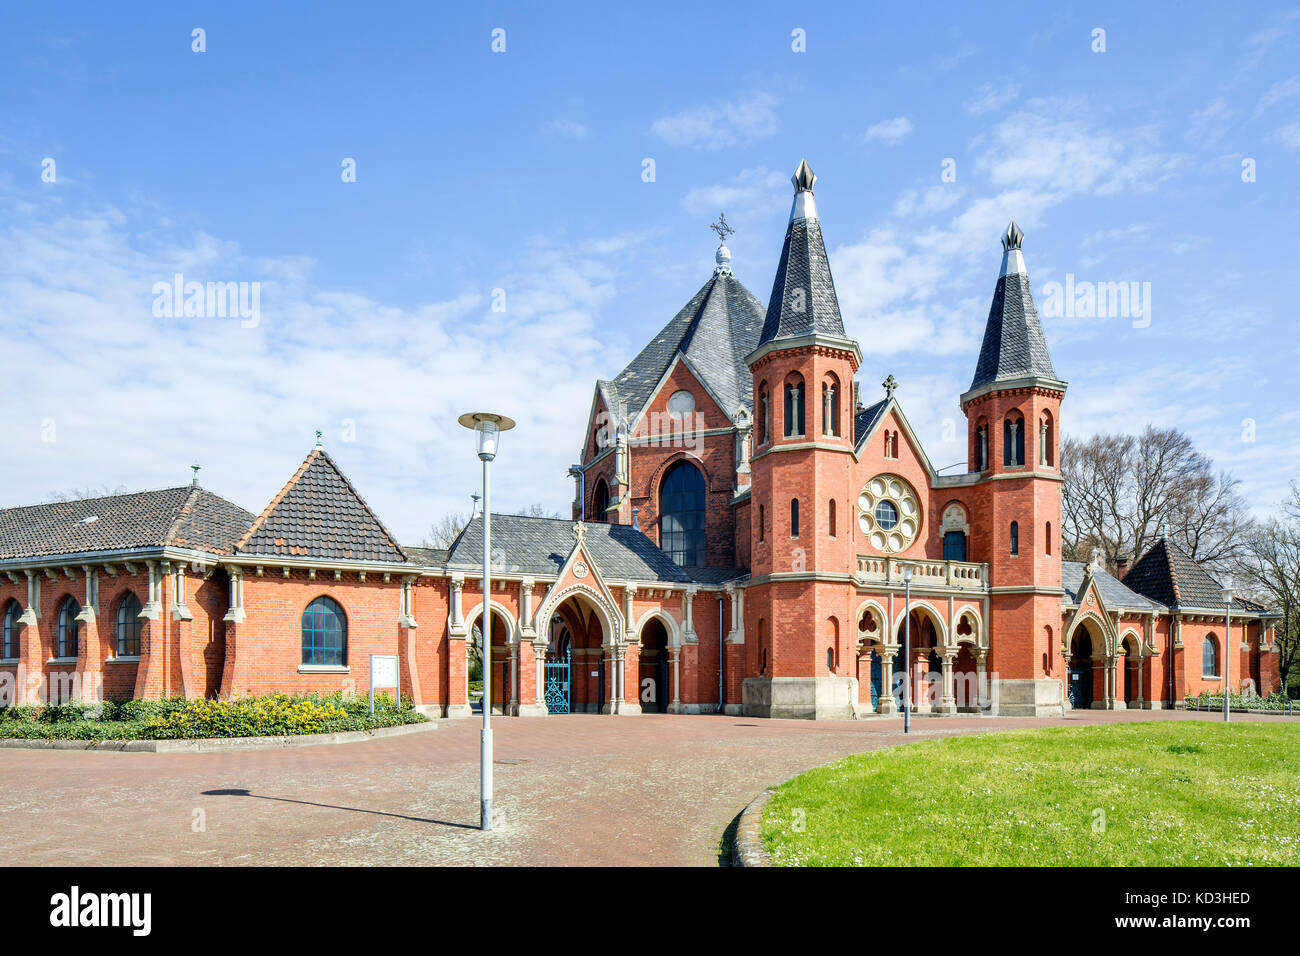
749, 850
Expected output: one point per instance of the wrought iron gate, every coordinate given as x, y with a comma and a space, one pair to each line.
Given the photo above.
556, 692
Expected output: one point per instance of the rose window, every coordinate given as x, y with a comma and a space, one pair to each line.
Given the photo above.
888, 513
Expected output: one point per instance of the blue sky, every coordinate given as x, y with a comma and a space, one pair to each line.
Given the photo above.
522, 171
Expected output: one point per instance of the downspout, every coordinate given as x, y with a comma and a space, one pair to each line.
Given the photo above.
722, 643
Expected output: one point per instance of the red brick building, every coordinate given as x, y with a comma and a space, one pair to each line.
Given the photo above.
748, 536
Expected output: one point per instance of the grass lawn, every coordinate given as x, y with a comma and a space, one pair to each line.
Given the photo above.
1182, 793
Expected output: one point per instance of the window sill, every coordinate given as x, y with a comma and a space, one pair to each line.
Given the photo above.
124, 659
61, 660
323, 669
10, 660
1211, 677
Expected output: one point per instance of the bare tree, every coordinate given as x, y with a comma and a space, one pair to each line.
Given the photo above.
1270, 569
1120, 489
80, 494
443, 532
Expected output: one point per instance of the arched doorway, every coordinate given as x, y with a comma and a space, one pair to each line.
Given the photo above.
499, 661
586, 620
1080, 673
1132, 658
654, 681
924, 637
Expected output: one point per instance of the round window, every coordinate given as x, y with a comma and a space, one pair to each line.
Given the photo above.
889, 514
681, 404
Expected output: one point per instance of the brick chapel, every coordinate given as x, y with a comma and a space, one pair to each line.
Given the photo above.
748, 536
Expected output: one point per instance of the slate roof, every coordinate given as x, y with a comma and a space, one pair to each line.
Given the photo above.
1013, 347
865, 420
183, 517
803, 298
1166, 573
319, 514
428, 557
1113, 591
541, 546
715, 330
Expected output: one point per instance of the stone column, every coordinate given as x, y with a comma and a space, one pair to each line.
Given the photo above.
885, 703
511, 700
526, 605
1137, 680
674, 663
629, 592
948, 705
981, 678
90, 654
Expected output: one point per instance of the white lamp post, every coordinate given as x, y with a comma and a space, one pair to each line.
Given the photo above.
907, 648
1227, 643
487, 431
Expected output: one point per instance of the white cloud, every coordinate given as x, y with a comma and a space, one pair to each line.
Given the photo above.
747, 118
134, 399
753, 194
990, 97
891, 132
1289, 135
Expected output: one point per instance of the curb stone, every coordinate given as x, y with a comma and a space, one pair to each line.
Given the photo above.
749, 833
215, 744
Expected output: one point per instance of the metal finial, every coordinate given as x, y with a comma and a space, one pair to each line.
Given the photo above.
473, 509
722, 227
1013, 237
804, 179
318, 438
635, 523
889, 385
195, 468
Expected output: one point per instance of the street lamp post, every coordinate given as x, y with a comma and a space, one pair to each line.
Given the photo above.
1227, 644
907, 648
487, 429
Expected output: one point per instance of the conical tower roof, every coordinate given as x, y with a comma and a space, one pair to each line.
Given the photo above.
803, 306
1014, 352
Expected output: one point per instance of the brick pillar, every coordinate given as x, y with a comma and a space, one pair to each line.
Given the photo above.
458, 677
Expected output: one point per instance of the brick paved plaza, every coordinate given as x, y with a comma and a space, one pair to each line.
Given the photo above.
643, 791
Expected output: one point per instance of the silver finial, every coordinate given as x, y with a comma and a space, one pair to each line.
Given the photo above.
723, 256
804, 179
1012, 238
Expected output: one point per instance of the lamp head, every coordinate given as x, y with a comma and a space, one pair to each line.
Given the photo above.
1226, 592
487, 429
907, 572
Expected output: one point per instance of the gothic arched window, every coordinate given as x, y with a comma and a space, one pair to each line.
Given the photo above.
1015, 538
831, 407
794, 517
599, 500
1210, 657
1013, 440
681, 514
794, 406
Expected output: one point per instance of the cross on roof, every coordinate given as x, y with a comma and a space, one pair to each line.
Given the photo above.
721, 227
889, 385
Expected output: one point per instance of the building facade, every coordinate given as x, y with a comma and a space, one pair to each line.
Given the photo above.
748, 536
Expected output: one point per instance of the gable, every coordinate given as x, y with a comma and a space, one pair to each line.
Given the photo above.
319, 514
655, 418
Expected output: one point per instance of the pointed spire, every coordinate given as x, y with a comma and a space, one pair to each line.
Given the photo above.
803, 306
1014, 351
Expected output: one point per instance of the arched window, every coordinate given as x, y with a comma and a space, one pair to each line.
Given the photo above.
830, 516
1013, 440
681, 514
794, 517
599, 500
324, 633
1210, 657
12, 630
128, 626
69, 627
764, 415
1045, 440
982, 447
1015, 538
1049, 537
794, 404
762, 523
831, 407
